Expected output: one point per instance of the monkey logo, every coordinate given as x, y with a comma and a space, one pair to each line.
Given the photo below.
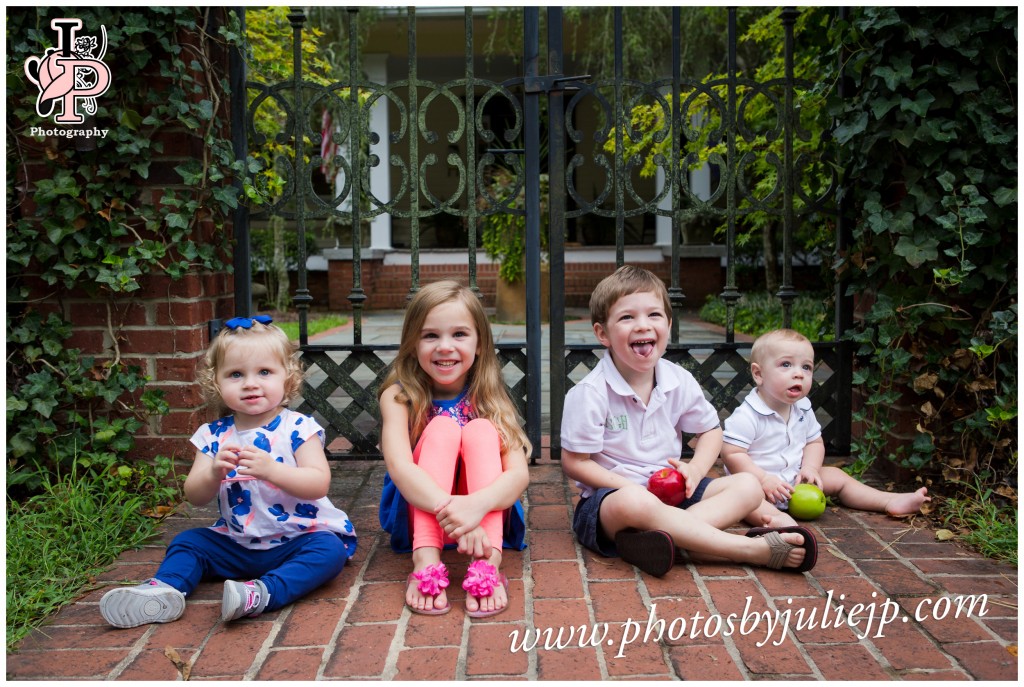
71, 73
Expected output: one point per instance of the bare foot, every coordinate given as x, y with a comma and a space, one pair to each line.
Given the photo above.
424, 558
907, 503
781, 520
761, 553
767, 515
498, 598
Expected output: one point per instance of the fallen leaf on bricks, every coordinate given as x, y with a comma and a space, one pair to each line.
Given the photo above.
184, 668
944, 535
158, 512
1012, 649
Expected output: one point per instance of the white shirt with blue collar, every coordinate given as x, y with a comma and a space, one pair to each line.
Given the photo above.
603, 417
775, 446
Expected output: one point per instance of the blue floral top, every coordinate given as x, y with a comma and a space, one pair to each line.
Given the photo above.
459, 408
256, 513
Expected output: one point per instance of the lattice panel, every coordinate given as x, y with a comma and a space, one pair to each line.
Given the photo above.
342, 396
723, 372
342, 386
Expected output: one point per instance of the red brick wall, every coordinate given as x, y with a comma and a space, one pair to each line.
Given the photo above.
163, 329
163, 326
387, 286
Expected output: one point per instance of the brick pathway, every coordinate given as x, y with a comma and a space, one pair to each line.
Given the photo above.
356, 627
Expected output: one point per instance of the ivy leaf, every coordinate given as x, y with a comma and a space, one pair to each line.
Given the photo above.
44, 406
176, 220
917, 249
892, 77
226, 195
20, 445
946, 180
130, 119
880, 107
966, 83
846, 132
918, 105
1004, 196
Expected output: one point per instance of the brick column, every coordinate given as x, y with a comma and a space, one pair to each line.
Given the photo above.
163, 329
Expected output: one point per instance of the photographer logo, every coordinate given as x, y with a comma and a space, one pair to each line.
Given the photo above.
71, 76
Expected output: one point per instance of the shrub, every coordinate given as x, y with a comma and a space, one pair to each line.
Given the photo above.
930, 139
757, 313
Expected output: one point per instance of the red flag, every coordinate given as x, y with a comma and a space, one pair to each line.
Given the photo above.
328, 148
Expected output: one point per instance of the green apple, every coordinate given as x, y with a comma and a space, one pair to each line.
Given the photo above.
807, 502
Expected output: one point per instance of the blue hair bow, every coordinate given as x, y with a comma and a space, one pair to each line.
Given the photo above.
247, 322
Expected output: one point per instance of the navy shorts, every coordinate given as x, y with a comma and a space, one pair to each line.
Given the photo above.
586, 521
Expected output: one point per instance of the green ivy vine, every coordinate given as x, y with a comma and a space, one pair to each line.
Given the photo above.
91, 216
929, 136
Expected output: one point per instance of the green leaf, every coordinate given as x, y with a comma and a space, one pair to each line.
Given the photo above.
44, 406
946, 180
130, 119
1004, 196
845, 132
917, 249
966, 83
881, 106
918, 105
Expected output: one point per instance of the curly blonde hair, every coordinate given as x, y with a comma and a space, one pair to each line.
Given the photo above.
274, 341
487, 392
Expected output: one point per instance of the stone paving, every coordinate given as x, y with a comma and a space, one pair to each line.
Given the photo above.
356, 627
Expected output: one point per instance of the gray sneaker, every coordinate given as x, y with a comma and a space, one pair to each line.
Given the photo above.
243, 599
152, 601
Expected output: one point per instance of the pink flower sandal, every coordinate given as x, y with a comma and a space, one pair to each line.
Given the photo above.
432, 581
481, 579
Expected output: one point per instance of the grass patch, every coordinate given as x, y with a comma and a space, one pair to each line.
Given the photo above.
62, 537
757, 313
982, 522
313, 325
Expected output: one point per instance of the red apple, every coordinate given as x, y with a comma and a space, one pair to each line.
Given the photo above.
668, 485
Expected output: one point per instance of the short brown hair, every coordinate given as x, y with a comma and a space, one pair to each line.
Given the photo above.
626, 280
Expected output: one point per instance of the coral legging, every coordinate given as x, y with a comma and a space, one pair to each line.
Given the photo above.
438, 451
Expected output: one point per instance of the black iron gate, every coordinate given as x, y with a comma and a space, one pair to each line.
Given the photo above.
342, 390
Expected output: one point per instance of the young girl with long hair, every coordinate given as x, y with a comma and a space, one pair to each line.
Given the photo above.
278, 537
454, 450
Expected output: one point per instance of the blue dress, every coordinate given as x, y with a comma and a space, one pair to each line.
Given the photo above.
394, 509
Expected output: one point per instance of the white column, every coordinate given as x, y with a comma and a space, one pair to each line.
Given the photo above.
376, 68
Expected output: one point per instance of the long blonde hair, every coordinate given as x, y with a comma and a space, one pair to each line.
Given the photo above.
487, 392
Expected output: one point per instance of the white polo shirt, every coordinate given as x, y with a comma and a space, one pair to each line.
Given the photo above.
603, 417
774, 445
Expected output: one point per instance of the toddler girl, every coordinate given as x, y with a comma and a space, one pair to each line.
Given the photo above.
278, 532
454, 451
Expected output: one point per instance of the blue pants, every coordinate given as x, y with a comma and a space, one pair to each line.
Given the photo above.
290, 570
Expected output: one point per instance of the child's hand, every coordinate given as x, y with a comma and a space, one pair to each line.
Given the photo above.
257, 463
458, 515
689, 474
775, 488
810, 475
475, 543
225, 461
